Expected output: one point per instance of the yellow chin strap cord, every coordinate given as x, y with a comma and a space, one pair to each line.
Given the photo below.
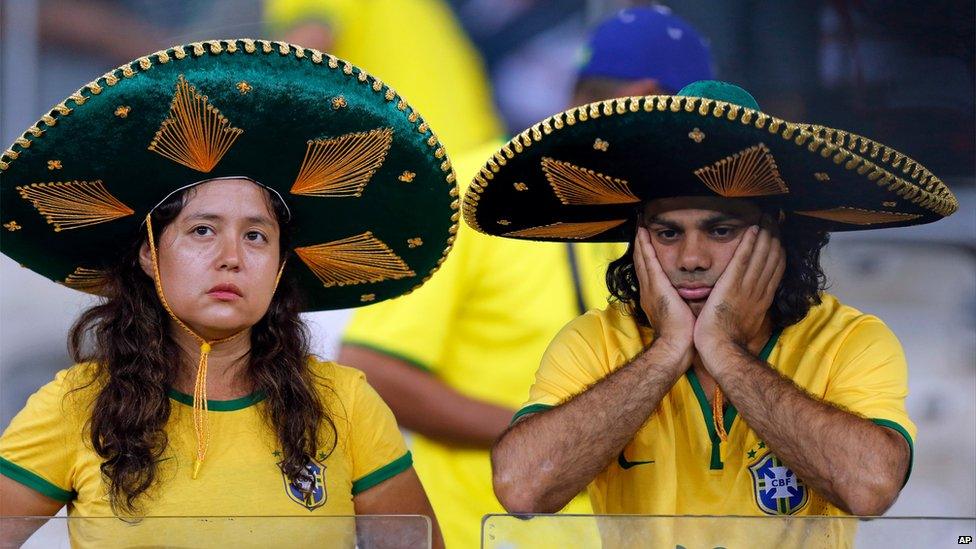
200, 406
718, 415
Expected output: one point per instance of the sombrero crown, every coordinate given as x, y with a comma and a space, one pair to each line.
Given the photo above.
580, 174
371, 192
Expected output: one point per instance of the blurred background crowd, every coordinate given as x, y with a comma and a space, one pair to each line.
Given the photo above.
900, 72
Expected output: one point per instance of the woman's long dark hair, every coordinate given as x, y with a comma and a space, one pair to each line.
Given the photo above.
128, 339
803, 279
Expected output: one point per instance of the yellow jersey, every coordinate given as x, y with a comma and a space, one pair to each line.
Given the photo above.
417, 47
46, 448
676, 464
480, 326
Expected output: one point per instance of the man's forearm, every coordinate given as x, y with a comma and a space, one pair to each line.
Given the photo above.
540, 463
426, 405
857, 465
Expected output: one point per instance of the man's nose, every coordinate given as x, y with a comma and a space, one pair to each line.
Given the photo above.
693, 254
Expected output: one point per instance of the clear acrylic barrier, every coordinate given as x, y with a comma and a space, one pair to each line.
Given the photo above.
363, 532
687, 532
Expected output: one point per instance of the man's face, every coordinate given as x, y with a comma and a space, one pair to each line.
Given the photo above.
694, 239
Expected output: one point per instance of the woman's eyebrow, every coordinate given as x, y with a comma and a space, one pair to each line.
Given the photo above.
251, 220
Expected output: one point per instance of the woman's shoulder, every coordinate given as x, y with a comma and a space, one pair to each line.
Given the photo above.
68, 396
80, 381
340, 379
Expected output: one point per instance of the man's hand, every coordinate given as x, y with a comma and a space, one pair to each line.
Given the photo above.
673, 321
737, 306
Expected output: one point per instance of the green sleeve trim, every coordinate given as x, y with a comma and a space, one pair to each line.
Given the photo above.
911, 445
33, 481
382, 350
531, 409
385, 472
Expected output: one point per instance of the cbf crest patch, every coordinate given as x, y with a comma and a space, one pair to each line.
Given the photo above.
777, 489
308, 487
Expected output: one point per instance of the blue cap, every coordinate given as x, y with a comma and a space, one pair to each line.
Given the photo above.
647, 42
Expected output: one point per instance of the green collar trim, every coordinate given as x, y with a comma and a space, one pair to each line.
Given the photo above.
220, 405
729, 417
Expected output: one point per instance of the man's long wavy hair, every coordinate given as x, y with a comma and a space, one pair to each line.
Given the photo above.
803, 280
128, 339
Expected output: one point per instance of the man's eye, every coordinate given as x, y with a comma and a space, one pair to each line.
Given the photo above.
722, 231
255, 236
667, 234
202, 230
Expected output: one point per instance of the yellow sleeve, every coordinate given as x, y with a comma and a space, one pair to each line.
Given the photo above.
376, 445
415, 328
869, 377
281, 15
38, 447
575, 359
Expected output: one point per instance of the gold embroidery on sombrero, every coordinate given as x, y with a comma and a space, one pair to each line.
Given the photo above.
86, 280
857, 216
354, 260
568, 230
750, 172
74, 204
580, 186
342, 166
195, 135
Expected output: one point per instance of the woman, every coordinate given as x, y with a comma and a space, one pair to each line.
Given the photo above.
195, 392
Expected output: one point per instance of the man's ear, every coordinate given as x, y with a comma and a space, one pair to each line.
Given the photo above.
145, 259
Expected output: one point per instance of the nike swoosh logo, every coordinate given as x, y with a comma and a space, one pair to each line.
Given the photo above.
624, 464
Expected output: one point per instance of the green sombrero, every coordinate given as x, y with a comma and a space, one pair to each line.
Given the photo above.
371, 192
579, 175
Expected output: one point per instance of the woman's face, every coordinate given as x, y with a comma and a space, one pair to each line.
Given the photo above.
218, 260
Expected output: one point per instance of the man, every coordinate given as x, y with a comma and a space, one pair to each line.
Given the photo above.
455, 359
723, 381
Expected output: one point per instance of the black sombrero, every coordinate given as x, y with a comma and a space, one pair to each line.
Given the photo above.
580, 174
369, 186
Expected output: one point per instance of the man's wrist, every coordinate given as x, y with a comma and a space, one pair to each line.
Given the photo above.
721, 355
673, 351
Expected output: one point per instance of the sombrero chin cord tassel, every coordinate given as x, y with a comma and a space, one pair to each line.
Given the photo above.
201, 409
718, 415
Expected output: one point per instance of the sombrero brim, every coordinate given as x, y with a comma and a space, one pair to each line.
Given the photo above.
371, 191
580, 174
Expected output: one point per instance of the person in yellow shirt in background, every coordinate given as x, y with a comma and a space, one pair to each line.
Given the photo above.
455, 359
722, 380
401, 40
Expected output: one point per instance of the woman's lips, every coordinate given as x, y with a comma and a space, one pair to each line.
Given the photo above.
225, 292
223, 295
694, 294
